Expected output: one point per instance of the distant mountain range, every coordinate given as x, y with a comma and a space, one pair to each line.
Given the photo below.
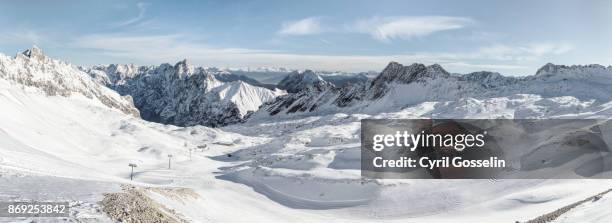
399, 86
274, 75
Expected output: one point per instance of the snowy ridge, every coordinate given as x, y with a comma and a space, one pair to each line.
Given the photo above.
399, 86
53, 77
182, 94
574, 70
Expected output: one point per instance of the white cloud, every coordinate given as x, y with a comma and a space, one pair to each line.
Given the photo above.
151, 47
528, 52
22, 36
306, 26
495, 67
142, 9
388, 28
540, 49
156, 49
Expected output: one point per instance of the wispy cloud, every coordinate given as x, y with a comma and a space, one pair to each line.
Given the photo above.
27, 36
142, 9
407, 27
155, 49
540, 49
494, 67
306, 26
527, 52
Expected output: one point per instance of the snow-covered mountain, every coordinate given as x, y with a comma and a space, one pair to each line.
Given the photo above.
32, 68
399, 86
182, 94
76, 147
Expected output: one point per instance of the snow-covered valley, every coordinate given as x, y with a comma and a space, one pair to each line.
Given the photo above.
290, 167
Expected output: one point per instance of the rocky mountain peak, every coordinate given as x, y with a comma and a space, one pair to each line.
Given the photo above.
297, 81
549, 68
406, 74
183, 67
34, 53
310, 76
393, 66
437, 69
576, 70
392, 70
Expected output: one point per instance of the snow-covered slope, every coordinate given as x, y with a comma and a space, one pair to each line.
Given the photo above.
53, 77
182, 94
246, 97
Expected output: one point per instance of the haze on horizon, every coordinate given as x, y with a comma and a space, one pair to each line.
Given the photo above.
510, 37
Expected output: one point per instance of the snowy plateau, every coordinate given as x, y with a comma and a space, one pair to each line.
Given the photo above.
283, 153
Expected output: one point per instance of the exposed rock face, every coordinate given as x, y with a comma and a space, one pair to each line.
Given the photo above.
395, 72
297, 81
306, 100
226, 76
308, 90
343, 80
552, 69
54, 77
182, 94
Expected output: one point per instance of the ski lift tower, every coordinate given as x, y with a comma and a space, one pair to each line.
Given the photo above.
132, 173
169, 158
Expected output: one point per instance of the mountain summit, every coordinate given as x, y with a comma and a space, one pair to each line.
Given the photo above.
575, 70
297, 81
34, 53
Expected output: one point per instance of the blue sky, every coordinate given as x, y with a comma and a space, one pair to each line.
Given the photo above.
511, 37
